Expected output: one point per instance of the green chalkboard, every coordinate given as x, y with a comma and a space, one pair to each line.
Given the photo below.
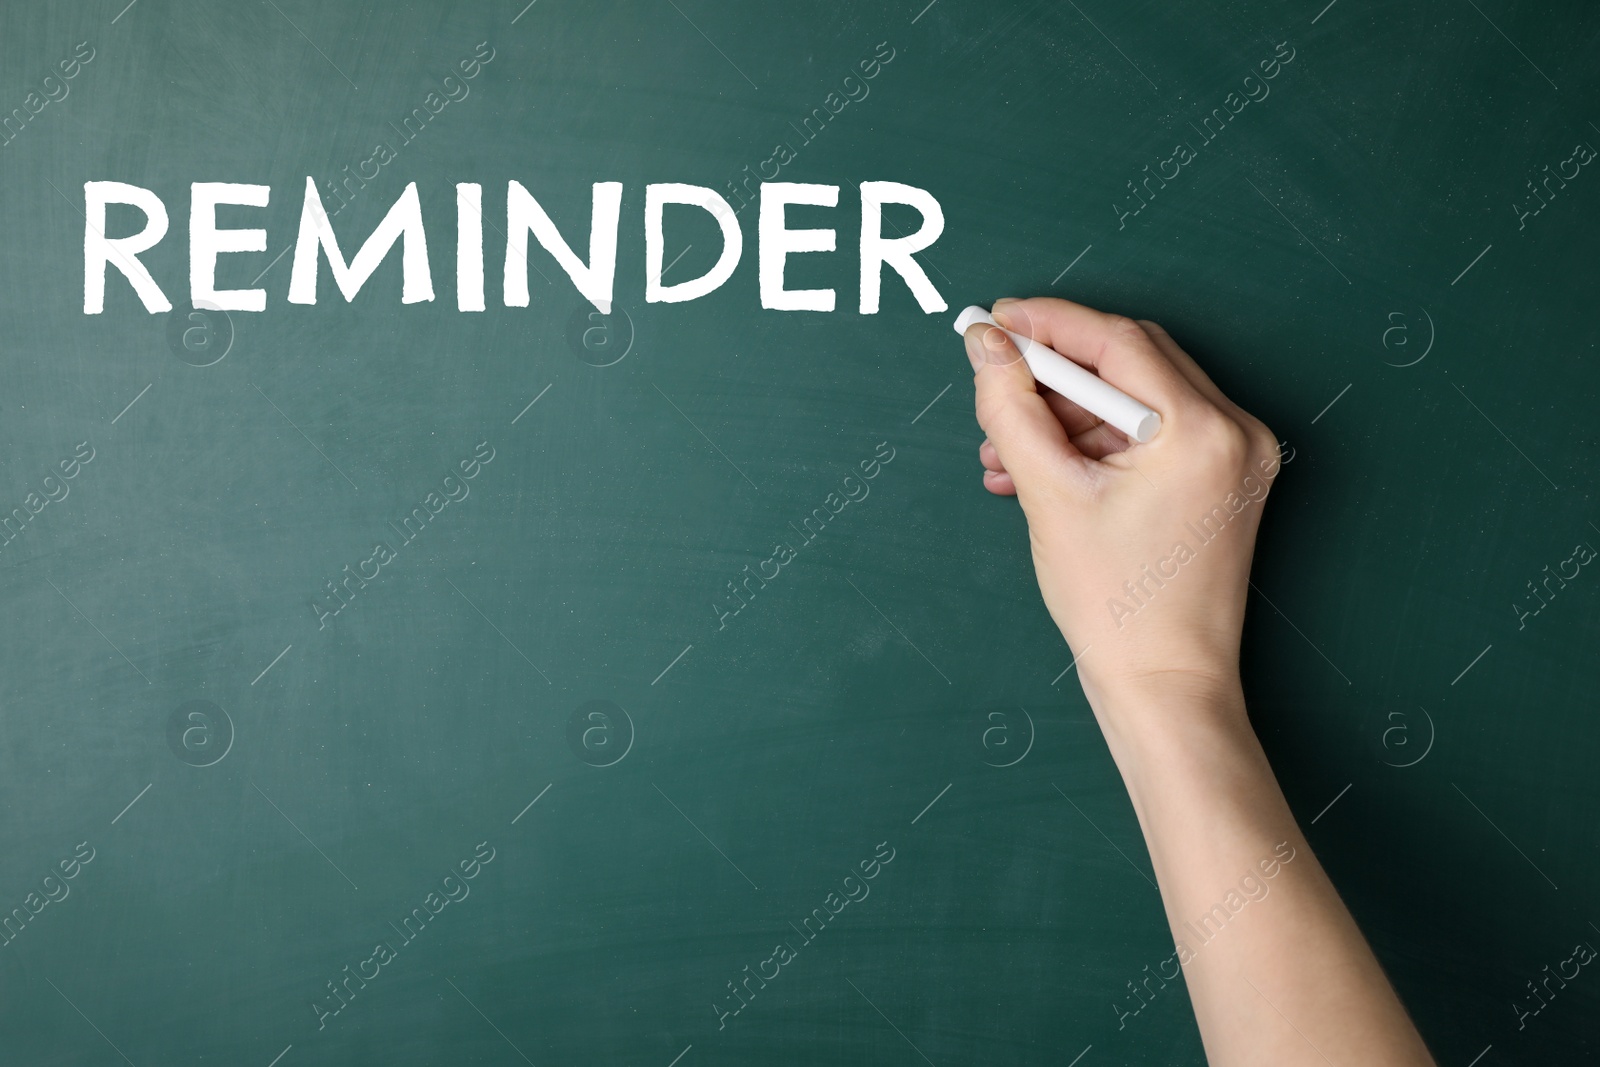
392, 683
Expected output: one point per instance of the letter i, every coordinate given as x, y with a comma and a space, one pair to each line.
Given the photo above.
469, 247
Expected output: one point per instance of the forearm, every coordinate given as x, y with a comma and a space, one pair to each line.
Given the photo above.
1276, 968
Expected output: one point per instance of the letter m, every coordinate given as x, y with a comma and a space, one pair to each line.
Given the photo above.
403, 223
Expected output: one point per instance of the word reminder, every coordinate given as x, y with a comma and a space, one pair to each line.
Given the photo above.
594, 278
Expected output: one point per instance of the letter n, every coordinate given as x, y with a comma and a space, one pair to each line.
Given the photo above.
594, 280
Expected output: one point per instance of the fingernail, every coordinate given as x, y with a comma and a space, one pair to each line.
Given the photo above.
974, 351
995, 344
1000, 313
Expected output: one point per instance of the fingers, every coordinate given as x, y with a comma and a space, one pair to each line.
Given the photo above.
995, 478
1028, 439
1000, 484
1113, 346
1097, 442
1101, 441
1039, 440
1074, 419
1088, 434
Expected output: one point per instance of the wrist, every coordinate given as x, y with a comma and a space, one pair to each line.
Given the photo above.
1159, 721
1194, 769
1151, 698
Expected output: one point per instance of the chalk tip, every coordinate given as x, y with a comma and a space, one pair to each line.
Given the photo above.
1147, 429
971, 315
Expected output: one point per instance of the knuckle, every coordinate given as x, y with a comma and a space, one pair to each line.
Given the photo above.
1265, 439
1123, 328
1263, 442
1154, 328
1225, 442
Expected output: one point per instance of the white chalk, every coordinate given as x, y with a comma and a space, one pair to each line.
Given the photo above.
1090, 392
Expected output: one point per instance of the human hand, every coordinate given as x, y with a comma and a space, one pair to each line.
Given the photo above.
1142, 551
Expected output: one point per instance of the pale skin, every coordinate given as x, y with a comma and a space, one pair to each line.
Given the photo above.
1289, 979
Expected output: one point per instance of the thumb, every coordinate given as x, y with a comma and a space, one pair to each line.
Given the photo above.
1032, 444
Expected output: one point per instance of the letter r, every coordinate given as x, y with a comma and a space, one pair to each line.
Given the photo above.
99, 250
897, 252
